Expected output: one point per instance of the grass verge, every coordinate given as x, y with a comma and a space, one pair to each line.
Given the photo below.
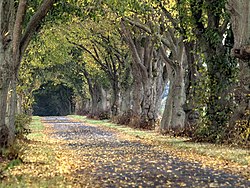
42, 164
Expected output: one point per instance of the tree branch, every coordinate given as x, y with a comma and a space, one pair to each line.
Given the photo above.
166, 58
138, 24
132, 46
34, 22
17, 31
175, 22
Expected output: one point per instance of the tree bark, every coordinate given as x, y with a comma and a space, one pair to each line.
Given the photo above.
12, 103
146, 76
7, 19
240, 19
192, 79
4, 131
173, 119
115, 108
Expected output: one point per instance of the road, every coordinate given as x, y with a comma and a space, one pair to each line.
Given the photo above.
120, 162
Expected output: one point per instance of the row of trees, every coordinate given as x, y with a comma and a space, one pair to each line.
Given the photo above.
118, 57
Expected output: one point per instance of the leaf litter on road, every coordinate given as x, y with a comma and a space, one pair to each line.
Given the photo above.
73, 154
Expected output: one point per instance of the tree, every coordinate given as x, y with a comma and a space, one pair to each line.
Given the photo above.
173, 49
240, 18
14, 39
203, 25
147, 68
104, 49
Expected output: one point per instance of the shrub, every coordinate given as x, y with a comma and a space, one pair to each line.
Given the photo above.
125, 118
133, 120
241, 132
101, 115
22, 122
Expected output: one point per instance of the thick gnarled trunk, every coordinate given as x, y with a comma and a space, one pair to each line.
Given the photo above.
240, 19
146, 75
153, 89
173, 119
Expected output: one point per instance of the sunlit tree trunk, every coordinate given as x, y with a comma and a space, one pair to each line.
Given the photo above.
173, 118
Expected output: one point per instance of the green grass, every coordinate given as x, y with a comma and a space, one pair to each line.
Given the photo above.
36, 128
36, 124
237, 155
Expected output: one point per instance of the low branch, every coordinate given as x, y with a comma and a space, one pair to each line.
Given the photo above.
83, 48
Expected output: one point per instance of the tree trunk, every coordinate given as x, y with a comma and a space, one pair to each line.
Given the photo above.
137, 91
12, 104
153, 88
14, 40
4, 88
240, 19
126, 102
100, 107
178, 115
146, 75
160, 84
95, 99
148, 104
192, 82
82, 105
168, 110
115, 108
174, 116
7, 11
173, 119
